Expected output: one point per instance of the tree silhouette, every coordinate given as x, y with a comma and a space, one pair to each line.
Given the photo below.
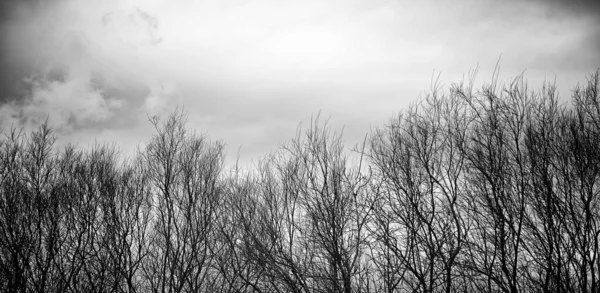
489, 190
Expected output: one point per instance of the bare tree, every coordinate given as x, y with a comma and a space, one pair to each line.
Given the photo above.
419, 225
578, 178
495, 190
184, 169
333, 196
28, 229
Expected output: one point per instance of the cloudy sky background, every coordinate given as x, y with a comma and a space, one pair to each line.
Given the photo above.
249, 71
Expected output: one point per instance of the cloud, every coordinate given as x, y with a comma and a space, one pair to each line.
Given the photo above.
81, 74
249, 71
135, 27
75, 94
54, 96
161, 99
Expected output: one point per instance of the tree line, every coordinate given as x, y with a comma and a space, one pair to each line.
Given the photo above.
495, 189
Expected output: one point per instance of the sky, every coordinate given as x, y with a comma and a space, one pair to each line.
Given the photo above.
248, 72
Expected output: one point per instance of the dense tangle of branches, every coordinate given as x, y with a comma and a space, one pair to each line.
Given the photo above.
489, 190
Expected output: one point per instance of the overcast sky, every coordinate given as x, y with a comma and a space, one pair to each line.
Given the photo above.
249, 71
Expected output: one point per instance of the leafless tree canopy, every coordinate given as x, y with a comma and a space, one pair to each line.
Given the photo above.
494, 189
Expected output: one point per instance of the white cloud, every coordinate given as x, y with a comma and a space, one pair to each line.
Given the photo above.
261, 66
162, 99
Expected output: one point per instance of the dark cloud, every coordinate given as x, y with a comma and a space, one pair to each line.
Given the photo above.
13, 69
14, 9
577, 7
51, 68
116, 103
12, 86
15, 65
579, 53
